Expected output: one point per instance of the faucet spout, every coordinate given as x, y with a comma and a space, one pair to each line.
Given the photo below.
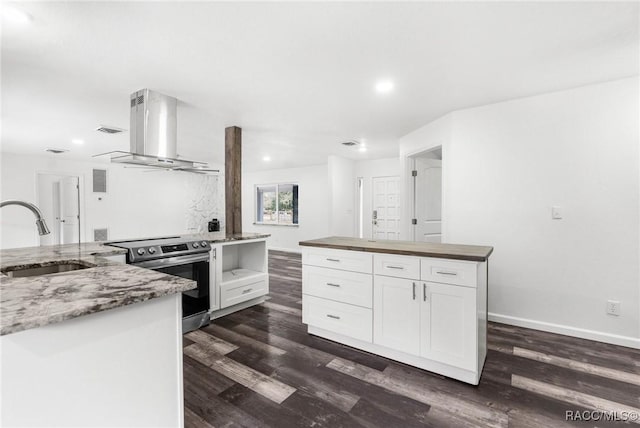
40, 223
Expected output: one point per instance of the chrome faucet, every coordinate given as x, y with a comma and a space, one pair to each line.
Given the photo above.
40, 223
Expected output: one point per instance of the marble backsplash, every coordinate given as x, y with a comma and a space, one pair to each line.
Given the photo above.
206, 201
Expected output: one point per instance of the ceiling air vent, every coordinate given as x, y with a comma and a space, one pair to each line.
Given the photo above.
350, 143
109, 129
56, 151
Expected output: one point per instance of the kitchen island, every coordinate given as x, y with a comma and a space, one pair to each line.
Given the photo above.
100, 342
422, 304
97, 345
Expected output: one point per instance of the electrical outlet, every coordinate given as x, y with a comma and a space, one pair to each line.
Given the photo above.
613, 307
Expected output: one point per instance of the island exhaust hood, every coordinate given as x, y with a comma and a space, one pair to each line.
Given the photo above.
153, 135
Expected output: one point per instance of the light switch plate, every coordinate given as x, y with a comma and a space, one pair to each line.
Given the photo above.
556, 212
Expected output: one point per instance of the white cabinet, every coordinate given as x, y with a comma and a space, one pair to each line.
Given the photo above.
427, 312
347, 287
214, 291
354, 261
349, 320
239, 275
398, 266
449, 271
448, 324
337, 292
396, 309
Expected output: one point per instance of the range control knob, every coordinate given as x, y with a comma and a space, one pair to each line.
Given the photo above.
140, 251
203, 244
151, 250
195, 245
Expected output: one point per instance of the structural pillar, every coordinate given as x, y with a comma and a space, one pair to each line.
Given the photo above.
233, 179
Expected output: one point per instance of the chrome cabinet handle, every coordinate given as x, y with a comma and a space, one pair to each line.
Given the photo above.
446, 273
332, 284
424, 292
248, 290
335, 317
333, 260
395, 267
414, 291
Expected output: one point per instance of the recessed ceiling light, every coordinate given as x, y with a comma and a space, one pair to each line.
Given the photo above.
77, 141
18, 16
384, 86
266, 158
362, 149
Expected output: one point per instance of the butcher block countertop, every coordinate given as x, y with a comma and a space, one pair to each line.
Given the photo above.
474, 253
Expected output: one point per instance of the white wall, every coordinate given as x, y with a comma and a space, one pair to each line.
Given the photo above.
436, 133
313, 209
506, 164
138, 203
342, 196
367, 169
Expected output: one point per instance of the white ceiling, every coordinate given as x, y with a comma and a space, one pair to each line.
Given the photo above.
297, 77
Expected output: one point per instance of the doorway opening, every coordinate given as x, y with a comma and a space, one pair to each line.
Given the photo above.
59, 201
427, 195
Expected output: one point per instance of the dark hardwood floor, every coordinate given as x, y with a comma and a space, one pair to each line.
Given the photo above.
259, 368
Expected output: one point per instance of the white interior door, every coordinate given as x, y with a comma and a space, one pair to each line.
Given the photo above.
428, 200
386, 208
70, 210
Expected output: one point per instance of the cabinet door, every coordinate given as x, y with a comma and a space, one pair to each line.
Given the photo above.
448, 321
396, 314
215, 273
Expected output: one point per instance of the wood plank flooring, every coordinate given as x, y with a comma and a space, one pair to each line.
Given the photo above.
260, 368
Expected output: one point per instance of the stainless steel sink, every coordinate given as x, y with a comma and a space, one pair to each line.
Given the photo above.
18, 272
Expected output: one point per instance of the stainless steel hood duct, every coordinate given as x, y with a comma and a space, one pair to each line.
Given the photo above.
153, 134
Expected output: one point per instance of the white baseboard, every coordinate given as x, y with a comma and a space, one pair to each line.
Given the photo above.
614, 339
285, 250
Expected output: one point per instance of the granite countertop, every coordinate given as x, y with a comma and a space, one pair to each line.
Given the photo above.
219, 237
474, 253
30, 302
212, 237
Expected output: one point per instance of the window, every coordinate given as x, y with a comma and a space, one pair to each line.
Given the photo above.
277, 204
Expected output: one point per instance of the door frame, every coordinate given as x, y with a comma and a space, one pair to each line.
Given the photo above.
411, 163
81, 195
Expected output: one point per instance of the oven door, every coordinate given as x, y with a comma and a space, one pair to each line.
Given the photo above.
195, 268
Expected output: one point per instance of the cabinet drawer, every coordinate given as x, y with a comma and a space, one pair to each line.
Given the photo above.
449, 272
346, 287
354, 261
398, 266
251, 290
342, 318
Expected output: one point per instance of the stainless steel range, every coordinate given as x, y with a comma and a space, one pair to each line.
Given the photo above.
180, 257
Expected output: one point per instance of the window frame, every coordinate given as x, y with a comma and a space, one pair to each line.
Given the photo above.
277, 191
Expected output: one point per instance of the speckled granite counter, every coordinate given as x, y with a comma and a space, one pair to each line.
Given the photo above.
212, 237
90, 252
36, 301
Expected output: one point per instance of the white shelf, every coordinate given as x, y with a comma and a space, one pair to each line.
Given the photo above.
240, 275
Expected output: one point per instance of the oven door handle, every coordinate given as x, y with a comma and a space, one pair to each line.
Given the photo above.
172, 261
